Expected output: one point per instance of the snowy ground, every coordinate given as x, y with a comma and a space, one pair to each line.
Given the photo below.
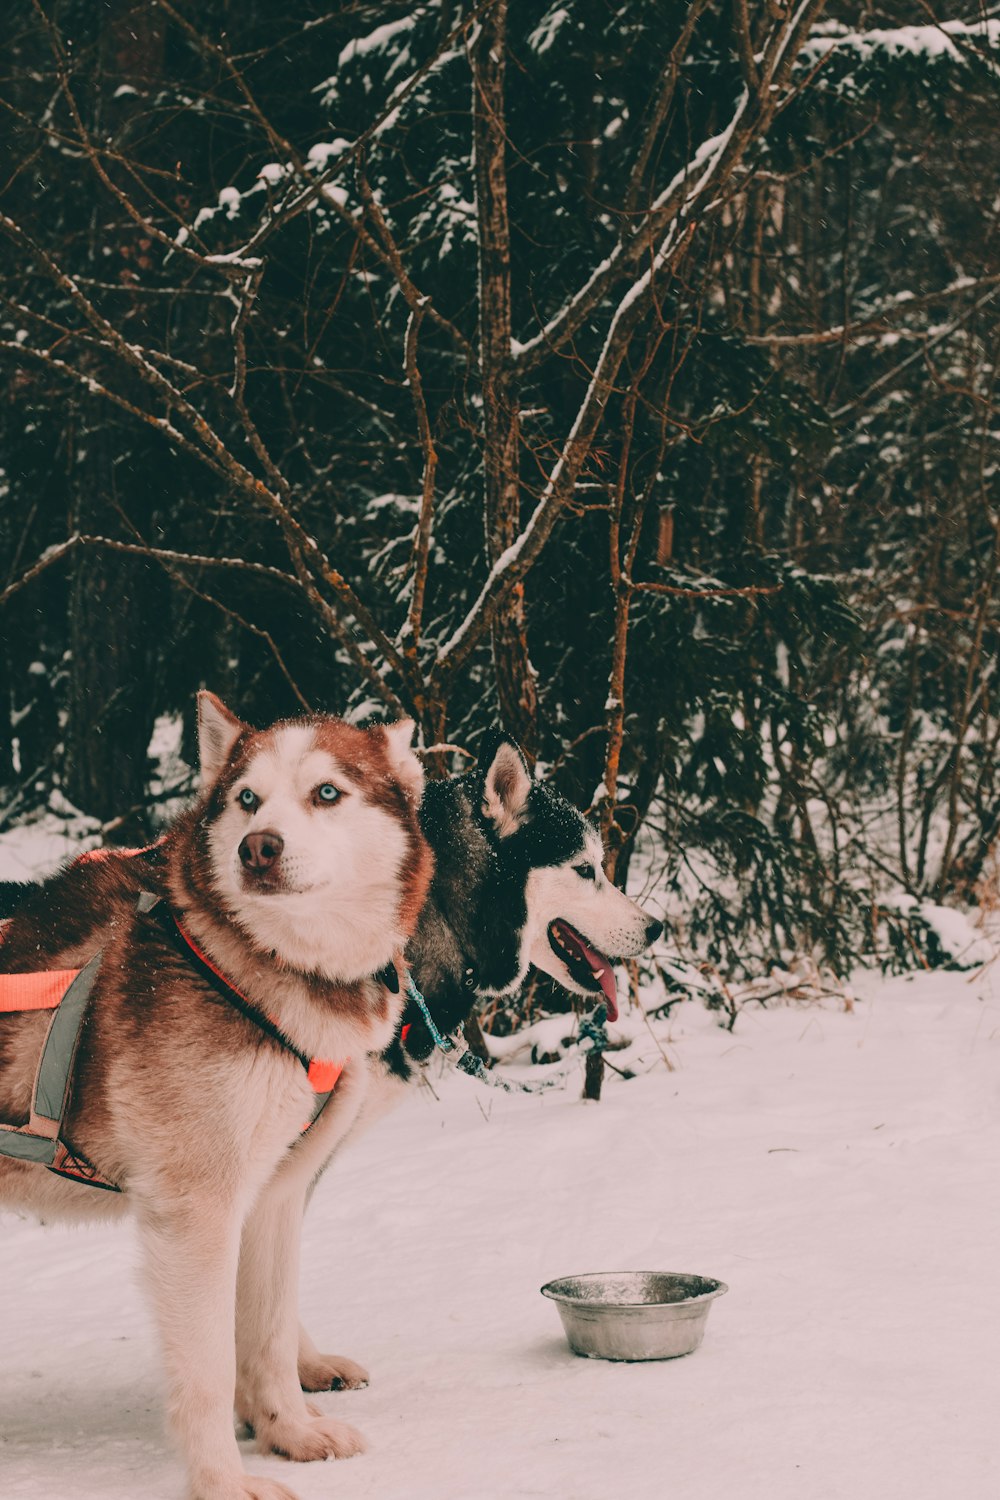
837, 1168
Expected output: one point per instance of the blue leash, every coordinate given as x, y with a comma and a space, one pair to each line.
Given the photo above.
443, 1042
467, 1061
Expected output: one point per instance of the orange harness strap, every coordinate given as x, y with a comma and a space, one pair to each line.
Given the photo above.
34, 991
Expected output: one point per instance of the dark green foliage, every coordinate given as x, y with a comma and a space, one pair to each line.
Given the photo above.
808, 700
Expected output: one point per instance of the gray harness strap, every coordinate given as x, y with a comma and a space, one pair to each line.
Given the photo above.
40, 1140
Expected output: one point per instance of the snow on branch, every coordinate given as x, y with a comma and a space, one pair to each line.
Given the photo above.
942, 39
694, 188
677, 198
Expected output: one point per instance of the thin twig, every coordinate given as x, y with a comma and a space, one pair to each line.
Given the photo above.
422, 535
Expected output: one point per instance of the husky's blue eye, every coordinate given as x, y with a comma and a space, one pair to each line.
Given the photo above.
327, 793
248, 799
585, 872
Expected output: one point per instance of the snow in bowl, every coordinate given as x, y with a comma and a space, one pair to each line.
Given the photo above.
634, 1314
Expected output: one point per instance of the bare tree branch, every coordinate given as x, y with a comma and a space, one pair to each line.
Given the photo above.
308, 559
422, 535
514, 564
690, 193
662, 103
393, 258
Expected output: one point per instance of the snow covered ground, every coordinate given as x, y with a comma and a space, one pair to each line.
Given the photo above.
838, 1168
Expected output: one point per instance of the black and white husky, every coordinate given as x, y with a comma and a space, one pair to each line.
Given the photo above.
519, 881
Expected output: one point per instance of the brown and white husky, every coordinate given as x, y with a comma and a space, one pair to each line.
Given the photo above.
291, 889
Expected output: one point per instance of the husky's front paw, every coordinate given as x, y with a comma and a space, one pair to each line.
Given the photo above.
316, 1438
331, 1372
241, 1487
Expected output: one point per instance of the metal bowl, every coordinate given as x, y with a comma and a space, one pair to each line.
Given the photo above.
634, 1314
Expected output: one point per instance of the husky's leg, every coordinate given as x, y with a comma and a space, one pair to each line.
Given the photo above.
327, 1372
191, 1252
268, 1394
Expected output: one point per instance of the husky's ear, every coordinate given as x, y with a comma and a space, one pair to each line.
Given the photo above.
506, 784
218, 731
402, 758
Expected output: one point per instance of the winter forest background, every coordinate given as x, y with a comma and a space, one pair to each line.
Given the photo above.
626, 373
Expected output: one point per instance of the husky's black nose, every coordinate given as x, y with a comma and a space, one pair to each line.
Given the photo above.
260, 851
653, 931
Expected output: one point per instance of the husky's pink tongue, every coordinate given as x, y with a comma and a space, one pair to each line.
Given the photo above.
600, 966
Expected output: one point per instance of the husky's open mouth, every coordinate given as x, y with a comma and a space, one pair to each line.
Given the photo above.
589, 968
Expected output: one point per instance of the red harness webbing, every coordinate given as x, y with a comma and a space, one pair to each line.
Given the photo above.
322, 1072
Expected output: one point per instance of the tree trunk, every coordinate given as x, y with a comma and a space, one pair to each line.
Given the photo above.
515, 675
593, 1075
112, 598
110, 714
